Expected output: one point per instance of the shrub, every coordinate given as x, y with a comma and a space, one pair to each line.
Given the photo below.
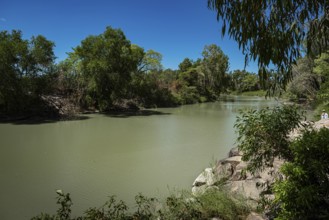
304, 193
183, 206
264, 134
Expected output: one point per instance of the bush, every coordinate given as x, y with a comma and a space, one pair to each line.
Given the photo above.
304, 194
189, 95
304, 191
184, 206
264, 134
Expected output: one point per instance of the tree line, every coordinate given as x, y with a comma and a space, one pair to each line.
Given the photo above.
107, 72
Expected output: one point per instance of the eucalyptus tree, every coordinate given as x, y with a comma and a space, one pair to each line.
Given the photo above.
215, 65
305, 83
151, 62
242, 81
321, 66
272, 32
321, 69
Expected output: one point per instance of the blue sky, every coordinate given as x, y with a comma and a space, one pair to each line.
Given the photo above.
175, 28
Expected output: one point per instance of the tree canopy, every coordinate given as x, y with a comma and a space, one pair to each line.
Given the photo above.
23, 68
273, 32
106, 62
105, 72
215, 64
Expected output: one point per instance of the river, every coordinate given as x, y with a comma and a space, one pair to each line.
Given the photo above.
155, 153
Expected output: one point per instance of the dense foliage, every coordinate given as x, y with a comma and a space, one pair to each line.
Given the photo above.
105, 72
106, 62
304, 193
264, 136
311, 82
25, 68
273, 32
243, 81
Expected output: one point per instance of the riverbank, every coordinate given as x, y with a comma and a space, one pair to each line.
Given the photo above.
259, 93
229, 174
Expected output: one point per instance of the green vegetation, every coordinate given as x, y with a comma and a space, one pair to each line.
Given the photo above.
274, 32
264, 135
26, 67
310, 83
243, 81
303, 191
106, 72
184, 206
259, 93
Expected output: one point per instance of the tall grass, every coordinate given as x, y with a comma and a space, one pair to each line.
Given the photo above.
215, 203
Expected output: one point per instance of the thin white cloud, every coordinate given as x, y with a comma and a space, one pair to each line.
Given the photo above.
3, 19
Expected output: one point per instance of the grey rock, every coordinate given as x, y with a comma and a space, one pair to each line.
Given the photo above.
255, 216
207, 177
234, 152
199, 190
237, 159
247, 188
224, 171
230, 172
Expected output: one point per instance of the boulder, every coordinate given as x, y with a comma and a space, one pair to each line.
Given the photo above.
234, 152
207, 177
238, 171
247, 188
223, 171
235, 159
255, 216
230, 172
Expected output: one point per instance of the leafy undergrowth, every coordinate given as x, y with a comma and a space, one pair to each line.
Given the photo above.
213, 203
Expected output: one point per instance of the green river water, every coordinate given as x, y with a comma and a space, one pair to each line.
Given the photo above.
102, 155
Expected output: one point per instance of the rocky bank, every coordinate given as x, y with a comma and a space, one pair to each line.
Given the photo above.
228, 173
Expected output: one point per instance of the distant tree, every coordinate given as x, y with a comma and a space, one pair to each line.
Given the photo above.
107, 61
71, 83
41, 55
273, 32
305, 82
151, 61
138, 54
24, 68
214, 66
185, 65
244, 81
321, 69
321, 66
